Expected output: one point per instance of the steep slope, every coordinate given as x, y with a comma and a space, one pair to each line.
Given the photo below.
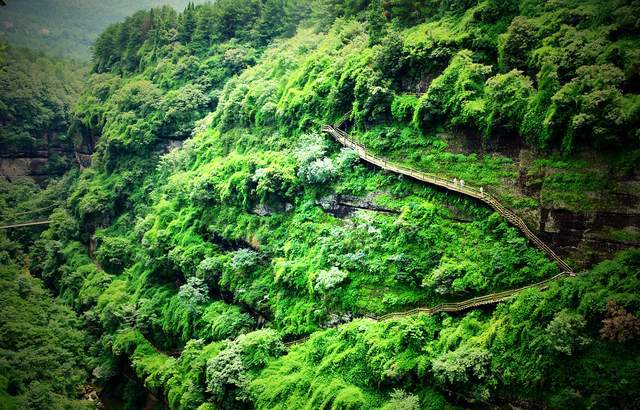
196, 247
36, 95
515, 104
43, 360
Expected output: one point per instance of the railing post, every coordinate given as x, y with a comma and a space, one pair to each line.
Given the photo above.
360, 148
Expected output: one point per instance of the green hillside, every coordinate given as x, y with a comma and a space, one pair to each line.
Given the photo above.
36, 96
223, 252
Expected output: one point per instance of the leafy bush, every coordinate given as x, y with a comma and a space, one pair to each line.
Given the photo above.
329, 279
465, 368
507, 97
194, 292
565, 332
220, 321
456, 94
592, 107
313, 167
346, 159
518, 41
115, 253
318, 171
401, 400
244, 259
230, 372
402, 107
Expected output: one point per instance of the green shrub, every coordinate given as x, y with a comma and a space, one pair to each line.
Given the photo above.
456, 94
403, 106
115, 253
507, 96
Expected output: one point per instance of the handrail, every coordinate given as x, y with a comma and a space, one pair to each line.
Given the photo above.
344, 139
456, 306
30, 223
30, 211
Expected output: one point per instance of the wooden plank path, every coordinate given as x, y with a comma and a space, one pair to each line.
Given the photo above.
454, 307
344, 139
20, 225
10, 225
474, 302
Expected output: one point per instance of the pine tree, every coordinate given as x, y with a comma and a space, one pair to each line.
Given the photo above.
187, 24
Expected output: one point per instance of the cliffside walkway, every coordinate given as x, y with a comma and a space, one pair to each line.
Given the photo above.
22, 224
454, 307
344, 139
33, 222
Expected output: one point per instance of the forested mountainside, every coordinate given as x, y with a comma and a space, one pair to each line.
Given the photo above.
42, 343
222, 252
36, 95
67, 28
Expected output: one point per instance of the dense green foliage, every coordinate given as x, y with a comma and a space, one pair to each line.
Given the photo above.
542, 345
192, 262
42, 346
36, 94
42, 354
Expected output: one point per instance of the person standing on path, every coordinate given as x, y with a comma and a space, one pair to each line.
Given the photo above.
462, 183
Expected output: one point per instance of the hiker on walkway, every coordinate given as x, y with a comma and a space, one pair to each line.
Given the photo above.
462, 183
482, 191
455, 181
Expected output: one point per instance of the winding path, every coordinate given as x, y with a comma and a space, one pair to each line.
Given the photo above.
344, 139
457, 306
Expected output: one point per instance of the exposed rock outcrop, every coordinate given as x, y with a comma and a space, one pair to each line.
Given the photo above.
37, 164
587, 222
342, 206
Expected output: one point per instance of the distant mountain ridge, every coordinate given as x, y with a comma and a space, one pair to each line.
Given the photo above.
68, 28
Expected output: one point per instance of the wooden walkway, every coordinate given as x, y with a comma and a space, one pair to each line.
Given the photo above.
20, 225
454, 307
474, 302
10, 225
344, 139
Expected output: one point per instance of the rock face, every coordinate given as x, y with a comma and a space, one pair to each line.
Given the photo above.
55, 156
588, 204
342, 206
590, 236
23, 166
587, 222
37, 164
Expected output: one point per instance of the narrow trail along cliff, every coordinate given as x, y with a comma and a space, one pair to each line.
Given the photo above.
477, 193
454, 307
32, 222
24, 224
344, 139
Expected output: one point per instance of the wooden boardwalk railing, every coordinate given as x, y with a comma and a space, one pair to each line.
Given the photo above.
10, 225
20, 225
474, 302
457, 306
344, 139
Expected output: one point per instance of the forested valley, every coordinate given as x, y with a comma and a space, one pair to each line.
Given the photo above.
320, 204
